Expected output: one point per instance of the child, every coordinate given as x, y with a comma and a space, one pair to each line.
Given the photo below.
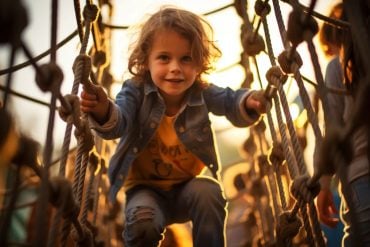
161, 116
354, 176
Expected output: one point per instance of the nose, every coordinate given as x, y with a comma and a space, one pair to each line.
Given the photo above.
175, 66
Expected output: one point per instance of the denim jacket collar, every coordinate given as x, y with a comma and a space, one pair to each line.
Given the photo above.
193, 97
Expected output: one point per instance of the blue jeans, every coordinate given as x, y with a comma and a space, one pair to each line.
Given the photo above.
148, 211
360, 190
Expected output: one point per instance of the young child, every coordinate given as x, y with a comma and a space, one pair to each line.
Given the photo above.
161, 116
354, 176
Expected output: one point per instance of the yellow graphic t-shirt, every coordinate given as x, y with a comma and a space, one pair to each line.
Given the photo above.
165, 161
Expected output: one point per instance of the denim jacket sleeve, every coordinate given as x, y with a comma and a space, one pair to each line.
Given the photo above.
231, 104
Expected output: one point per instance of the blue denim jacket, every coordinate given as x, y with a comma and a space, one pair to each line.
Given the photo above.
138, 111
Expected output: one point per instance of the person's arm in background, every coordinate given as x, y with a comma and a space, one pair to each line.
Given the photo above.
325, 203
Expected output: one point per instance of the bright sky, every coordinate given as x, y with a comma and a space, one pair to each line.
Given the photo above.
32, 118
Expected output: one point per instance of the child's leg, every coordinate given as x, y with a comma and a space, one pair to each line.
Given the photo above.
145, 221
205, 204
360, 189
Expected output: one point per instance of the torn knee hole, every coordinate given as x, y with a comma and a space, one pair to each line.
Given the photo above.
142, 214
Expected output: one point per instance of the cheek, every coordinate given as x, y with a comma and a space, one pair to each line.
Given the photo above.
157, 69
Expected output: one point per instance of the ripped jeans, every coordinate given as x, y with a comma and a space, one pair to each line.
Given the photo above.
360, 190
148, 211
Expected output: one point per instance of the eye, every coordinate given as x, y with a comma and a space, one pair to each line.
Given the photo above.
187, 59
163, 58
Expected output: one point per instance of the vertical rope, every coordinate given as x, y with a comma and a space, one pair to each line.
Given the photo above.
9, 78
312, 117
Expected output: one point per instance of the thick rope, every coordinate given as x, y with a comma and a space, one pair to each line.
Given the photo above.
311, 116
79, 70
38, 57
93, 161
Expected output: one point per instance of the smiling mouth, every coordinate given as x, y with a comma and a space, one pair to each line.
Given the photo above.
175, 80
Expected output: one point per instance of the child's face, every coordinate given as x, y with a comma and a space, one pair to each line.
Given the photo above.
170, 64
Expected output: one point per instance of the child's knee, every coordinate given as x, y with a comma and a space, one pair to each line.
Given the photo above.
208, 191
142, 227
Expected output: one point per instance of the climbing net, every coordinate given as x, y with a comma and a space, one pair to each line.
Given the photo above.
72, 207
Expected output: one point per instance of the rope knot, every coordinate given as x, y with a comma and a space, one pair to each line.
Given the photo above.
90, 12
290, 60
85, 136
100, 59
276, 155
287, 227
71, 115
49, 77
262, 8
304, 189
274, 77
252, 43
14, 20
61, 196
85, 239
93, 161
300, 27
82, 67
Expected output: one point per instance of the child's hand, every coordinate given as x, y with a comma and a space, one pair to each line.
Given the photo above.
258, 101
95, 101
326, 208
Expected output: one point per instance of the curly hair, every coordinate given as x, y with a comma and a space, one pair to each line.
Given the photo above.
354, 68
191, 26
330, 36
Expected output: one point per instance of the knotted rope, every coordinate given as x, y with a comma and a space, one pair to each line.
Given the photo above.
295, 143
287, 228
82, 70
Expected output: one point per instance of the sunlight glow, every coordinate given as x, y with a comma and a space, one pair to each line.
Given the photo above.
294, 110
301, 119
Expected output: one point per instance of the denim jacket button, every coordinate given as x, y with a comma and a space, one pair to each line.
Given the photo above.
135, 150
181, 129
210, 165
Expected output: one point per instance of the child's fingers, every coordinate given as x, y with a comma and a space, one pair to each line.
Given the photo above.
88, 96
255, 104
88, 103
258, 102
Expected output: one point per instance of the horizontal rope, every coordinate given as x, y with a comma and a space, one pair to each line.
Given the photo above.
25, 97
39, 57
113, 26
332, 21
